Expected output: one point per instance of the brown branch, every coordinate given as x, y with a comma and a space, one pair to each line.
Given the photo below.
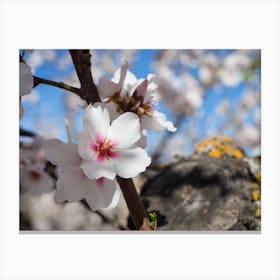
23, 132
135, 207
81, 60
38, 80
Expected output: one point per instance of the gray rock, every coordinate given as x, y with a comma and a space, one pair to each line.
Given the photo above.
202, 193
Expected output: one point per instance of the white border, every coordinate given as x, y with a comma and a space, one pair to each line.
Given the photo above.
157, 24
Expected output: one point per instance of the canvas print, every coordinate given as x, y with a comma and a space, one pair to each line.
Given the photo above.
158, 140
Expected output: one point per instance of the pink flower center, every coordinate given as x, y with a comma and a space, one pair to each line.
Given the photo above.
34, 175
104, 148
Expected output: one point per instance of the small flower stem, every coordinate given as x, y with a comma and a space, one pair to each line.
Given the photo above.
134, 204
38, 80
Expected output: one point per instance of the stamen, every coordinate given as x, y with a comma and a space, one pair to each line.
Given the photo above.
104, 148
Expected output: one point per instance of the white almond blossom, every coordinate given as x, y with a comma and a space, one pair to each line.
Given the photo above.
108, 149
124, 93
26, 81
72, 184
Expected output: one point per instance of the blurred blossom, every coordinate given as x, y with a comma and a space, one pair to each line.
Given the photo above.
248, 136
230, 76
49, 54
127, 55
64, 61
48, 129
223, 107
34, 180
257, 116
45, 214
33, 152
183, 94
206, 75
32, 98
72, 80
107, 63
250, 99
232, 69
38, 57
209, 65
209, 59
73, 101
35, 59
176, 146
237, 59
26, 81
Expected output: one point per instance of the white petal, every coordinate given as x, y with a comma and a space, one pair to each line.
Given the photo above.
152, 95
97, 120
26, 79
157, 123
86, 140
111, 107
62, 154
103, 193
129, 80
125, 130
71, 185
140, 86
95, 169
130, 162
107, 88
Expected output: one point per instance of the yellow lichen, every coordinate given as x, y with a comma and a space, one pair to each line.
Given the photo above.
216, 153
256, 195
258, 176
217, 146
255, 185
258, 212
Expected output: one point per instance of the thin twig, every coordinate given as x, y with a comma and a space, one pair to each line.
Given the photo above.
38, 80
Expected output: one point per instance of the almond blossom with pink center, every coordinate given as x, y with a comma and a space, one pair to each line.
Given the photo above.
124, 93
72, 184
108, 149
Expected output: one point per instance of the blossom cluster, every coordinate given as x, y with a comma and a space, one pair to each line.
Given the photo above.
111, 143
